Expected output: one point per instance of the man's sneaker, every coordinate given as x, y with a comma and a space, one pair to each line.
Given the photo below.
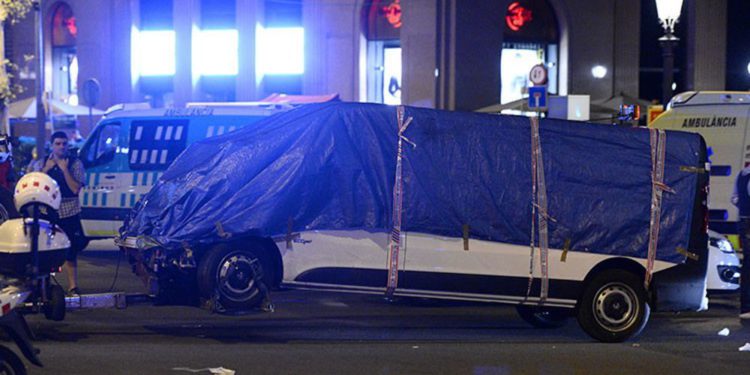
745, 316
75, 292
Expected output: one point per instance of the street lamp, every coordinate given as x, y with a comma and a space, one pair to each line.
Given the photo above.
669, 13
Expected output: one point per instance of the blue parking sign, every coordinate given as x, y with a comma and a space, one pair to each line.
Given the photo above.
537, 97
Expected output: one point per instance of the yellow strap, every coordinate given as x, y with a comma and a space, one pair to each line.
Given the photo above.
688, 254
566, 247
466, 236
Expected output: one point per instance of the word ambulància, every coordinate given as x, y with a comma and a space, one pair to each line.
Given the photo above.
709, 122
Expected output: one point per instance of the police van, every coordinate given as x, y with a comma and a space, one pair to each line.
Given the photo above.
721, 117
130, 148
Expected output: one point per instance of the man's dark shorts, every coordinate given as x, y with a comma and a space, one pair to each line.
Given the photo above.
73, 229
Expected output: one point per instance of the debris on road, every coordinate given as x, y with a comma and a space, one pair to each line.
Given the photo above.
212, 370
724, 332
745, 348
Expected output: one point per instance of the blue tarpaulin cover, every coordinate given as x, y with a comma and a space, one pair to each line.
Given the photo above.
332, 166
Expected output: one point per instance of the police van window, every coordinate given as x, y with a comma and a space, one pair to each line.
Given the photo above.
102, 145
154, 144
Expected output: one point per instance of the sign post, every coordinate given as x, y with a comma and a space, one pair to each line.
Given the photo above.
538, 92
91, 91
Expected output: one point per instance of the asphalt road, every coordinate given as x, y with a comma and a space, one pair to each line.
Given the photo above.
326, 333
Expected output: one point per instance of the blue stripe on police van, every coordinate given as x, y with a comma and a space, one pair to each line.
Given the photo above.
135, 179
104, 199
94, 197
144, 179
132, 200
101, 213
85, 199
96, 179
154, 178
122, 199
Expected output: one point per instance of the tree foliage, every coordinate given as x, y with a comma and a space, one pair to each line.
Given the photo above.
10, 11
14, 9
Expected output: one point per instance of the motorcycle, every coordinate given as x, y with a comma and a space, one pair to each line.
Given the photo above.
31, 249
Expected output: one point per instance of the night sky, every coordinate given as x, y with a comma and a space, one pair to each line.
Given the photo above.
738, 45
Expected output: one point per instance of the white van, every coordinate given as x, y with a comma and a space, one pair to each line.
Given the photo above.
340, 197
721, 117
131, 147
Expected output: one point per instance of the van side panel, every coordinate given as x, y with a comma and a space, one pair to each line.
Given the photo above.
145, 147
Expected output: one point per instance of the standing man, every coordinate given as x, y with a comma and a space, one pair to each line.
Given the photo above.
741, 199
68, 171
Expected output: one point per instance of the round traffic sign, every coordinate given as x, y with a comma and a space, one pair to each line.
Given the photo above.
91, 92
538, 74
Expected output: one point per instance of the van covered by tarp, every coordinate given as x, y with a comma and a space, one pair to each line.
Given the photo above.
332, 166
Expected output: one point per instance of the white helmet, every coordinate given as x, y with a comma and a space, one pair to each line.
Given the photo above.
37, 187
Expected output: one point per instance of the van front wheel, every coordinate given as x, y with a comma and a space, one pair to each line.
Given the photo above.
231, 275
614, 306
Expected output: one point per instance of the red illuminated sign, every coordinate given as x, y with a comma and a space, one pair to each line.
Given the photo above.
70, 24
517, 16
393, 13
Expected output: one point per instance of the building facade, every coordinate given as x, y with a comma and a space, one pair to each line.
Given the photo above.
449, 54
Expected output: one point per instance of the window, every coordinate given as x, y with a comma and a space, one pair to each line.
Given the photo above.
381, 26
155, 144
280, 51
153, 52
215, 52
101, 146
153, 43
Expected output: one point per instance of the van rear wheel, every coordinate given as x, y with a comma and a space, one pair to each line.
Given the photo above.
230, 274
614, 306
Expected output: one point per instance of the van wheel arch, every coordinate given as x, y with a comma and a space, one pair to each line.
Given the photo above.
624, 264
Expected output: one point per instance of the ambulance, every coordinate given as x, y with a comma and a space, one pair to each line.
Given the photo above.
721, 117
132, 146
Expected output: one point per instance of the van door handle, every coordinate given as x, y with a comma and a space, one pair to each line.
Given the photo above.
110, 177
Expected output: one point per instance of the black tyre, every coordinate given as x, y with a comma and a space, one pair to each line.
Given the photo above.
10, 363
228, 273
4, 216
614, 306
54, 308
543, 317
7, 207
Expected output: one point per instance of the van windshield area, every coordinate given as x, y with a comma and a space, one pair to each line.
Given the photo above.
102, 145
